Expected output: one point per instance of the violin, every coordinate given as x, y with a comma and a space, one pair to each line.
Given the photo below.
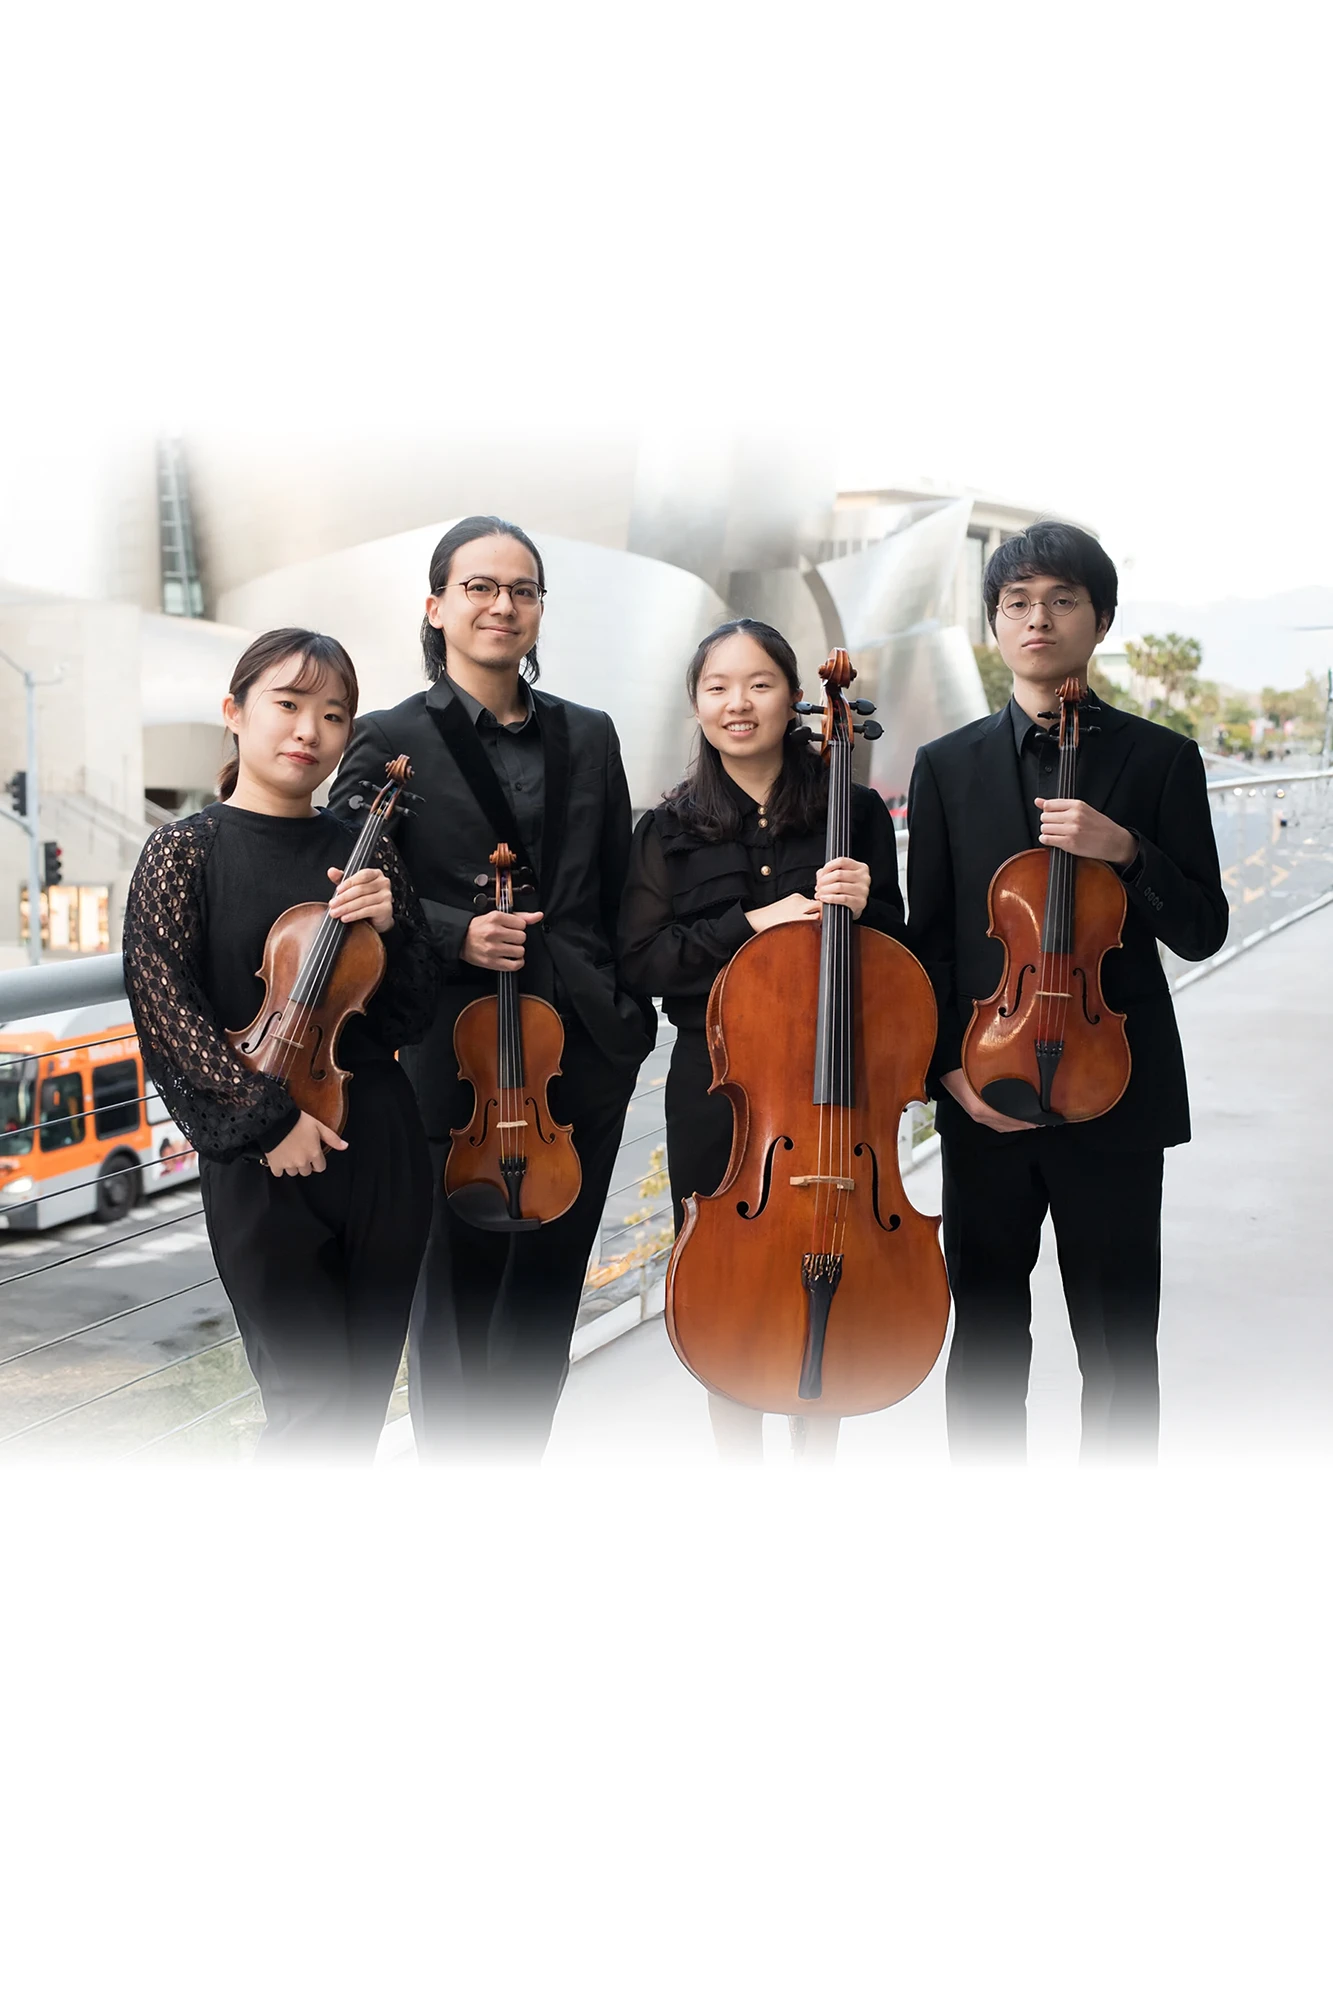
1045, 1047
511, 1166
317, 973
808, 1282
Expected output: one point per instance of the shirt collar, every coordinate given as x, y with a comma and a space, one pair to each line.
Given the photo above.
1023, 725
740, 797
477, 712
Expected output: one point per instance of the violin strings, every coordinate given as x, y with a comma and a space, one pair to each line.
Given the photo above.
323, 950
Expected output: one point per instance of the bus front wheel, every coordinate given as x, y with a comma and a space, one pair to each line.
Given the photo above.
119, 1186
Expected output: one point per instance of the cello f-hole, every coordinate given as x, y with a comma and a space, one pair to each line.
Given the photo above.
894, 1221
743, 1207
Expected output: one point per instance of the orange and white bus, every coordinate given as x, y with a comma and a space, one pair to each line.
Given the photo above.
81, 1130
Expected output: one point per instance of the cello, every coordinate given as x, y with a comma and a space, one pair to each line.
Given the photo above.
318, 972
511, 1167
1045, 1047
808, 1283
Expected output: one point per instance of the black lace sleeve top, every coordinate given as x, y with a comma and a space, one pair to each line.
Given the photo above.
203, 898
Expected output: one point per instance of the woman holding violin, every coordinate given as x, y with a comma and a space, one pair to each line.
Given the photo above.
317, 1223
1053, 846
735, 848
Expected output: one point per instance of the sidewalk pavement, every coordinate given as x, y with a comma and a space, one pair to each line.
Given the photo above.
1247, 1357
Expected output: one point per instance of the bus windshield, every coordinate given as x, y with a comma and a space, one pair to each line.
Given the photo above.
16, 1107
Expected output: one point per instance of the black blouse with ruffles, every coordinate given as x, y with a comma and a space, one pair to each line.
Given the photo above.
683, 913
203, 898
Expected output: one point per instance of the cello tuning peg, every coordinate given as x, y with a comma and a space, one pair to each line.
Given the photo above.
806, 735
862, 707
355, 803
809, 707
1048, 715
870, 730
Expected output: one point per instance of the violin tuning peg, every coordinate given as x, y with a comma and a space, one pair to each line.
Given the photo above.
481, 904
870, 730
862, 707
1048, 715
355, 803
415, 797
481, 880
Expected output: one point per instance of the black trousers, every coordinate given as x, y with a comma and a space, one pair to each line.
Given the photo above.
320, 1271
699, 1127
1107, 1211
494, 1314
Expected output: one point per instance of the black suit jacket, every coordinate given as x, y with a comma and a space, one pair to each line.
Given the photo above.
966, 816
446, 843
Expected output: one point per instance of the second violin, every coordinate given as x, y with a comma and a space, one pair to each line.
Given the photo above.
1045, 1047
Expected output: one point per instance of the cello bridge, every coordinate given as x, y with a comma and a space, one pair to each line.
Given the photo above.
823, 1180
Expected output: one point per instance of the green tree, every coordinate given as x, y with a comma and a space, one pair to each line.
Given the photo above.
996, 680
1302, 706
1173, 661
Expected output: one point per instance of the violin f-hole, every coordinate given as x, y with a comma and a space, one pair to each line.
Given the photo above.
1091, 1018
1005, 1012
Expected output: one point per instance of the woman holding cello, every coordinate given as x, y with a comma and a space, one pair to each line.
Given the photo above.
736, 848
317, 1227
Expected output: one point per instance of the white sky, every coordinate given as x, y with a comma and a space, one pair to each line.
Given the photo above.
1072, 256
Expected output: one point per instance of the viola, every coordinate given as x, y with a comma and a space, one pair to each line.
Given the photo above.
511, 1166
1045, 1047
317, 973
808, 1282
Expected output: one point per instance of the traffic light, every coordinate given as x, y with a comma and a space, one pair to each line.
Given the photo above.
51, 856
18, 792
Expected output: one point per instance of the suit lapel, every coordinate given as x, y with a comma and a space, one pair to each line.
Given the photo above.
460, 737
1000, 786
555, 756
1106, 754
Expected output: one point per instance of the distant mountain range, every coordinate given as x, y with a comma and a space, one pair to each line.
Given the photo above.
1249, 643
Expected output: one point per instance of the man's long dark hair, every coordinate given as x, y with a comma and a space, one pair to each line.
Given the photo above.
474, 528
798, 802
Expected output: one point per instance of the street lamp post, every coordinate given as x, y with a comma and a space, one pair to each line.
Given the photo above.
30, 821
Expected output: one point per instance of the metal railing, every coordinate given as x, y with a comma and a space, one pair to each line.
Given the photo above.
1275, 839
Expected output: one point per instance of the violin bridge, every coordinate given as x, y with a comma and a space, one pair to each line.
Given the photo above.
511, 1125
823, 1180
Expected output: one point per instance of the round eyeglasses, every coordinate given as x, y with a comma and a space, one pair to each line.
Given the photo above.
485, 590
1060, 603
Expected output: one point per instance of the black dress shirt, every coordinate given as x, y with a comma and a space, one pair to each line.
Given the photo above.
683, 916
515, 749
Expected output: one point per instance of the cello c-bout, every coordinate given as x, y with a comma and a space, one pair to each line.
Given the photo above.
808, 1282
1045, 1047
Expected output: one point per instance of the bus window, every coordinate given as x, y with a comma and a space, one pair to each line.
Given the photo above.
16, 1120
115, 1098
62, 1112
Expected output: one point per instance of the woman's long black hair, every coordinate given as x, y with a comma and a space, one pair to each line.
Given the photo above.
798, 802
474, 529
